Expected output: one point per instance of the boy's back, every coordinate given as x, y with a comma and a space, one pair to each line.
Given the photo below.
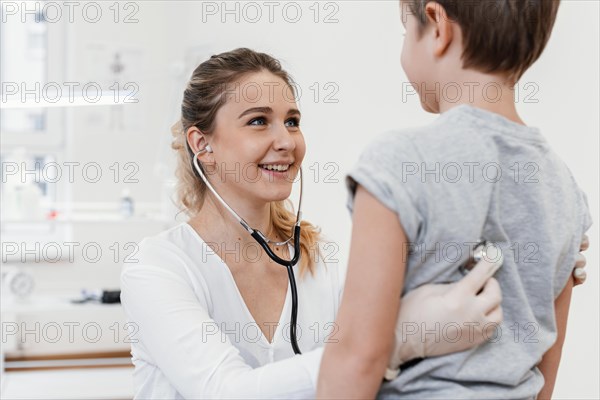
476, 175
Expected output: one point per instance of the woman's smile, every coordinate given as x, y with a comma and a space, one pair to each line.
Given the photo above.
276, 170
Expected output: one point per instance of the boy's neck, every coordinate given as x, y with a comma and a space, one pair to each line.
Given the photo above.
484, 91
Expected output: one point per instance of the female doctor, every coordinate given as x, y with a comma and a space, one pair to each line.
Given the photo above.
210, 308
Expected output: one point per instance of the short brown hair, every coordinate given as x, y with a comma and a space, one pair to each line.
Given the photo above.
499, 35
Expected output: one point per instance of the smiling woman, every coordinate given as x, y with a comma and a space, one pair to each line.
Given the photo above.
210, 308
215, 109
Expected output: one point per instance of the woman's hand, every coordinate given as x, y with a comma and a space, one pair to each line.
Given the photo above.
461, 314
579, 271
437, 319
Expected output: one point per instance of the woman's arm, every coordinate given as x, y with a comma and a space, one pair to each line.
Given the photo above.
186, 345
551, 360
354, 367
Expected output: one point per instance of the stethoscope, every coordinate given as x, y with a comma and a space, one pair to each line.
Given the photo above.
264, 241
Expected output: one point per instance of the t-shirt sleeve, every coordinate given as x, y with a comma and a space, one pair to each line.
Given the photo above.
387, 169
587, 217
567, 264
183, 341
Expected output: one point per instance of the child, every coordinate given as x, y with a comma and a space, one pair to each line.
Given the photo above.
426, 195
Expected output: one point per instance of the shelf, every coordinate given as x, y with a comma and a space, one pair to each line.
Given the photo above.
83, 219
100, 213
107, 98
88, 383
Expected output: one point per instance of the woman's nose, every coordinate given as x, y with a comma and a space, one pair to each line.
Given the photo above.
283, 139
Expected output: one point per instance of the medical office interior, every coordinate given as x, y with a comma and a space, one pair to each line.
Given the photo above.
90, 91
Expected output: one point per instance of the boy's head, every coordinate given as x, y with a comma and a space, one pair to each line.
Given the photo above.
502, 38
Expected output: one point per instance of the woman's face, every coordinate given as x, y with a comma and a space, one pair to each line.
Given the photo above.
257, 143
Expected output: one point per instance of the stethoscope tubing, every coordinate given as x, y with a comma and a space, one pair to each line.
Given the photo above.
263, 241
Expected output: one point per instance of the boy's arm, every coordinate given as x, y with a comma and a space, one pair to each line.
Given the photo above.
354, 366
549, 364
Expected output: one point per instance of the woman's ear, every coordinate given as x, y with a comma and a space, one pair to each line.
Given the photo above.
197, 141
442, 27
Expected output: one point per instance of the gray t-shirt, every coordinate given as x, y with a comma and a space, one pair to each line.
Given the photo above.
474, 174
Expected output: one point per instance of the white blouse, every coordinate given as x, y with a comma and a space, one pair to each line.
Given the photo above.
195, 337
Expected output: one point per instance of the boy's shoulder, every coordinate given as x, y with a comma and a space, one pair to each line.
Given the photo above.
442, 139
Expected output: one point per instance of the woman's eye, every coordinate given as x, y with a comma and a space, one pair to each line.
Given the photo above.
294, 122
257, 121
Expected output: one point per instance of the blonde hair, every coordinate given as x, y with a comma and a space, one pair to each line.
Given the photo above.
204, 95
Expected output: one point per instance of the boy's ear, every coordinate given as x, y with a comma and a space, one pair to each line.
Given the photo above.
442, 27
197, 141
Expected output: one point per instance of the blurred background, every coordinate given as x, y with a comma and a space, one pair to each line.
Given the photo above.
89, 93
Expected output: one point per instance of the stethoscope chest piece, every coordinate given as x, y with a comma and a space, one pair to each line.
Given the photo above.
483, 249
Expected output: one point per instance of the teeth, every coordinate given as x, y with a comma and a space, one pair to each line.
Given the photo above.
276, 167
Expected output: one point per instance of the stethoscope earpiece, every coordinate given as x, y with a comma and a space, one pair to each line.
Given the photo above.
206, 149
